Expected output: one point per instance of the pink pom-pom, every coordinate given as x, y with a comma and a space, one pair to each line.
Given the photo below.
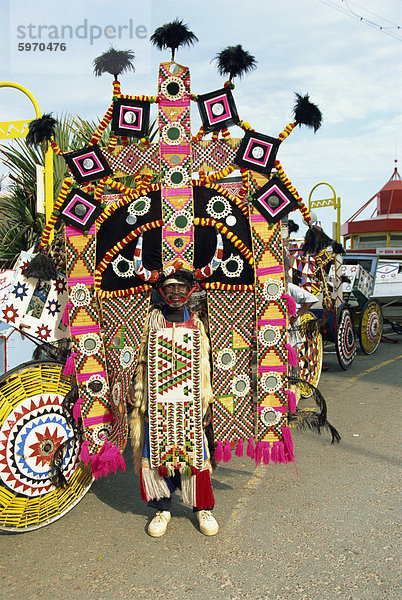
291, 400
240, 448
250, 448
227, 453
292, 356
219, 452
292, 309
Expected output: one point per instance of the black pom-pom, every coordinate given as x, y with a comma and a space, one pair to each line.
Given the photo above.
315, 241
173, 35
41, 131
235, 62
41, 267
292, 226
115, 62
307, 113
337, 248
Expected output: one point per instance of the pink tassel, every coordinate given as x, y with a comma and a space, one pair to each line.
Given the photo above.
258, 453
227, 453
292, 309
240, 448
69, 367
291, 400
281, 453
219, 452
64, 319
77, 409
274, 454
288, 443
292, 356
265, 455
250, 448
108, 460
84, 456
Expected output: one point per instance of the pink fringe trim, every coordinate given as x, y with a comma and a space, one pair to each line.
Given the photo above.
292, 309
227, 453
292, 356
291, 400
77, 409
265, 454
240, 448
219, 452
250, 448
69, 367
258, 453
108, 460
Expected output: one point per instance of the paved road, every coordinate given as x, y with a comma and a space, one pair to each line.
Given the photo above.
329, 532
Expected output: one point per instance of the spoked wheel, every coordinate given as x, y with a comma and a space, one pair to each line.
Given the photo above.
310, 354
345, 338
370, 326
32, 428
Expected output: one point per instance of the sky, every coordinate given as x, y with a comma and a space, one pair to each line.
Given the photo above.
346, 55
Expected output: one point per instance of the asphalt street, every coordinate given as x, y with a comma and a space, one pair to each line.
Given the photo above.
326, 530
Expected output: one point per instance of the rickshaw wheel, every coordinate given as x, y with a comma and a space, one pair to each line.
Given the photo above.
32, 428
370, 326
345, 338
310, 355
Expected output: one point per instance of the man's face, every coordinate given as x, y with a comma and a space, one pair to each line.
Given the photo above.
174, 292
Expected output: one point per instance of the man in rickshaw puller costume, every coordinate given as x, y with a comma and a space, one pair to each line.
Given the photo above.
172, 399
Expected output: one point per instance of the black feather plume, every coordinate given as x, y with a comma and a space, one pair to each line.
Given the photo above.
308, 420
315, 240
292, 226
307, 113
235, 62
345, 279
41, 267
41, 131
173, 35
115, 62
337, 248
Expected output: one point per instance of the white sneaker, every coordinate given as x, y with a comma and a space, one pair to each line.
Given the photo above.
159, 523
208, 524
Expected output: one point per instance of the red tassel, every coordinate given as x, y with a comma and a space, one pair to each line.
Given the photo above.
227, 453
240, 448
77, 408
291, 400
204, 496
69, 367
142, 488
84, 456
64, 319
292, 309
162, 471
258, 453
250, 448
266, 453
219, 452
292, 356
288, 443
